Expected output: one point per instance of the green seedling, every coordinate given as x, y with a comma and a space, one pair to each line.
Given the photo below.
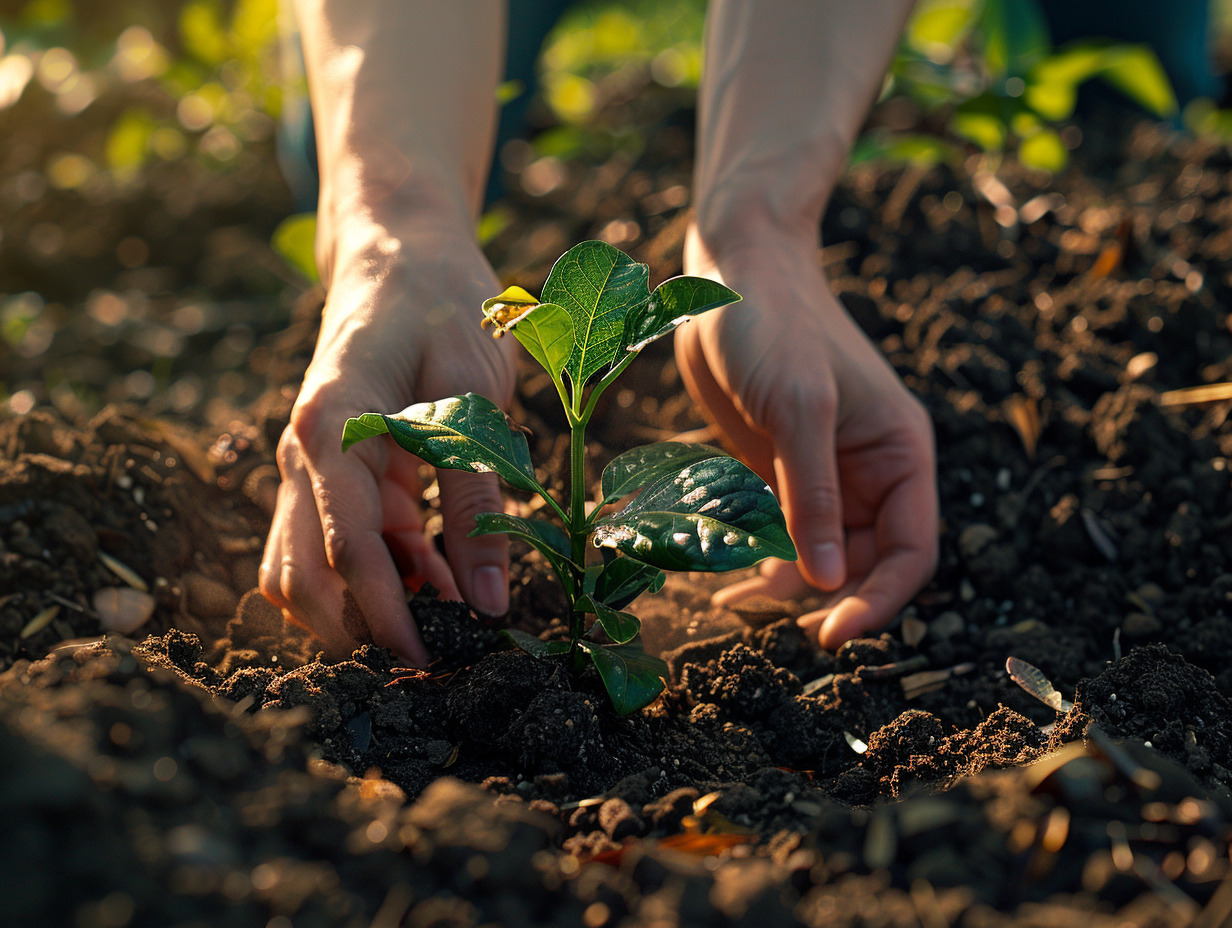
695, 509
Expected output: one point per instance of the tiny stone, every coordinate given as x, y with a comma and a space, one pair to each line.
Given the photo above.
1140, 625
1152, 593
966, 591
123, 609
977, 500
1004, 478
975, 538
947, 625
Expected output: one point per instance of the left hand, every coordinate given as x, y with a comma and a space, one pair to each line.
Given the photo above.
813, 407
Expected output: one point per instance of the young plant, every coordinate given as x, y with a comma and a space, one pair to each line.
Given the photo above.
697, 509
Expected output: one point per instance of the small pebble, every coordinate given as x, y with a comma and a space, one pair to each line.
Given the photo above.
947, 625
122, 609
1140, 625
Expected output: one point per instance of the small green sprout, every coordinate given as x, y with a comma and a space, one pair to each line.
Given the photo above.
697, 509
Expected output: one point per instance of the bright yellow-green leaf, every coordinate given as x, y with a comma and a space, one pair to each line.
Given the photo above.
128, 142
1072, 65
1044, 150
1054, 100
571, 97
295, 241
937, 27
983, 129
254, 26
1136, 72
202, 32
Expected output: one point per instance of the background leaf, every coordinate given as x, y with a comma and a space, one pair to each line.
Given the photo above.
466, 432
547, 333
621, 627
672, 302
596, 284
637, 467
630, 675
622, 580
550, 540
714, 515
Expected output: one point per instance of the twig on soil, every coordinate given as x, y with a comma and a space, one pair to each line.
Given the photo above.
1207, 393
917, 684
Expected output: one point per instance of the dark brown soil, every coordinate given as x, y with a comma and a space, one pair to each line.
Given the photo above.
218, 772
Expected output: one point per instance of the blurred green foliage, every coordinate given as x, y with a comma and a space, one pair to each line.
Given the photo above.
990, 68
207, 73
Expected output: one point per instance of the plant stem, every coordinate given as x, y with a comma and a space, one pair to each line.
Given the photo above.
577, 514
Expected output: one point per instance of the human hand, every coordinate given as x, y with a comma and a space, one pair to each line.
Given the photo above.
401, 325
814, 408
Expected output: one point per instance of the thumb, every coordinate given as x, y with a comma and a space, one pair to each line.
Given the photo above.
807, 475
480, 565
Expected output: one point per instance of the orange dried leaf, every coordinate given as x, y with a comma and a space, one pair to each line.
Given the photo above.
1023, 414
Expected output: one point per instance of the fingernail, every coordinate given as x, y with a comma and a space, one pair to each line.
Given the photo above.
826, 565
490, 589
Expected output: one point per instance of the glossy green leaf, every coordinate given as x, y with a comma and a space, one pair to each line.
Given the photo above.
549, 539
632, 677
713, 515
597, 285
622, 580
674, 301
621, 627
532, 645
547, 333
466, 432
637, 467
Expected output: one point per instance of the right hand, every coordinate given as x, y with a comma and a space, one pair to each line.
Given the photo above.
400, 325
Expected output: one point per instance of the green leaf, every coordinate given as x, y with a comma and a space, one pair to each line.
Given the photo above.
637, 467
621, 627
984, 129
1044, 150
1136, 72
547, 333
597, 285
532, 645
632, 677
549, 539
674, 301
1016, 36
622, 580
713, 515
466, 432
295, 242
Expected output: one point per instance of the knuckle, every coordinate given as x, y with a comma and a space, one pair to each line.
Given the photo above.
292, 582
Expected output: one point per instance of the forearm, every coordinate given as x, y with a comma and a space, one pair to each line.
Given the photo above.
403, 97
785, 90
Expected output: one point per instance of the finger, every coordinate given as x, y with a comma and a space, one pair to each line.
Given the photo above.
807, 473
414, 554
348, 503
295, 576
907, 540
775, 579
480, 564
